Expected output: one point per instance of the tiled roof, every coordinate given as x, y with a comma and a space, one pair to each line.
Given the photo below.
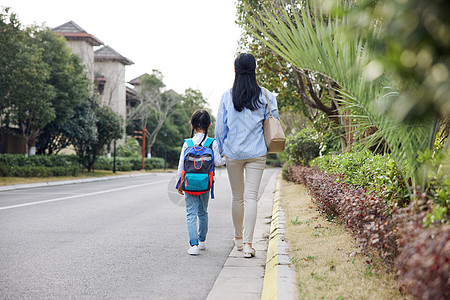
72, 31
70, 26
137, 80
131, 92
107, 53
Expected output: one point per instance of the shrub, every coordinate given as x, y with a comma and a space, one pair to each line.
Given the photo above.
129, 163
420, 255
19, 165
274, 160
365, 214
377, 173
424, 264
129, 149
302, 147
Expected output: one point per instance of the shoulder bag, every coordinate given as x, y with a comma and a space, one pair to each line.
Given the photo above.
273, 132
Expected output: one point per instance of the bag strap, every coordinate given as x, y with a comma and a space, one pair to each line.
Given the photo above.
268, 102
208, 142
189, 142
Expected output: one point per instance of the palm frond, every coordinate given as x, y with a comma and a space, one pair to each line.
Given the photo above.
313, 42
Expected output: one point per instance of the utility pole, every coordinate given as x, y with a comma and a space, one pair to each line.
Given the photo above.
142, 135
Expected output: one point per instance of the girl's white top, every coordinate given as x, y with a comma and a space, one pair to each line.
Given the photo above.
218, 159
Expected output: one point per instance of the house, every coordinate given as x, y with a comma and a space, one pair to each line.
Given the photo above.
104, 66
81, 43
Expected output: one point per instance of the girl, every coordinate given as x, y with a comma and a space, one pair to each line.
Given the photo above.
197, 205
239, 133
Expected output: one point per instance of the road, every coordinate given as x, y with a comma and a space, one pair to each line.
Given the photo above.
117, 239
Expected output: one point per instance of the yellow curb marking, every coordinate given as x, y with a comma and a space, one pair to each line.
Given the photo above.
271, 272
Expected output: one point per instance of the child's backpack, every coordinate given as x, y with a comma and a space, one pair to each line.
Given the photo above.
197, 176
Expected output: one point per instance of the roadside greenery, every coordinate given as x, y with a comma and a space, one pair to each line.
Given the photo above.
374, 172
41, 82
46, 99
129, 163
19, 165
376, 74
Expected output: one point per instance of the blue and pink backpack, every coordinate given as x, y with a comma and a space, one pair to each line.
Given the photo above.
197, 176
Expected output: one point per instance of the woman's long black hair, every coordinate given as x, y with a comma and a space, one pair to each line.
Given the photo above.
200, 120
245, 91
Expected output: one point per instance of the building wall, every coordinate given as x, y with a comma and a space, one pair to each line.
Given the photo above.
114, 93
86, 52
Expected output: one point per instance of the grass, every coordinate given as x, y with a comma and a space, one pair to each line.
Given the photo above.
325, 257
97, 173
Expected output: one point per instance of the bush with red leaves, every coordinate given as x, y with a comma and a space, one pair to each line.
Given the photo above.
423, 266
366, 215
421, 256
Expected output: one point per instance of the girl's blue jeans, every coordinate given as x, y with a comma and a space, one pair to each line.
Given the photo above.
197, 207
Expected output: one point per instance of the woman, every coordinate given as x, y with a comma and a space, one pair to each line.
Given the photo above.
239, 133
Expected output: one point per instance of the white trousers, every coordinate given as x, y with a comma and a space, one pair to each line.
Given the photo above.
244, 190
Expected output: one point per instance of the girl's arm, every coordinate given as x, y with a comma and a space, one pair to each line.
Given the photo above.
219, 160
180, 162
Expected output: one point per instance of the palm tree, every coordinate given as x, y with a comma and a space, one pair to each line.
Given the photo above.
327, 44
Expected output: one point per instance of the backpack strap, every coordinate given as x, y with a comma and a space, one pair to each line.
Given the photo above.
208, 142
189, 142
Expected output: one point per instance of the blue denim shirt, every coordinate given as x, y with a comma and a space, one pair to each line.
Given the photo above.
240, 134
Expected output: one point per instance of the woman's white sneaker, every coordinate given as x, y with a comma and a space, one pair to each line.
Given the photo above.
193, 250
249, 251
239, 244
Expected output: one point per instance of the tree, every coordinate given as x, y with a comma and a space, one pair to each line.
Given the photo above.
83, 132
413, 45
157, 105
310, 40
91, 129
299, 91
25, 94
70, 84
178, 128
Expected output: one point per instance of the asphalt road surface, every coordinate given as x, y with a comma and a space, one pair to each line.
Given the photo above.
117, 239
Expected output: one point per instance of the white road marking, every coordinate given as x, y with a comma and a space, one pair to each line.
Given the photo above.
80, 195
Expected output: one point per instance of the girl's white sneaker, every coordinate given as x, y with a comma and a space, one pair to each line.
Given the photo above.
193, 250
201, 245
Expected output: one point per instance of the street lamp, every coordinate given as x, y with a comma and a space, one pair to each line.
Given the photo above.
165, 146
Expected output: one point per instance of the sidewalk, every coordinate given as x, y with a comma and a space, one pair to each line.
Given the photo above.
267, 275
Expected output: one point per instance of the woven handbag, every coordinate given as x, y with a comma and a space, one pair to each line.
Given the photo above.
273, 132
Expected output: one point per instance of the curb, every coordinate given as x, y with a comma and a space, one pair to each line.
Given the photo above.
242, 278
64, 182
279, 278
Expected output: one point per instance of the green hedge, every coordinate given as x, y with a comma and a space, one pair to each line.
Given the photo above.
128, 163
377, 173
19, 165
302, 147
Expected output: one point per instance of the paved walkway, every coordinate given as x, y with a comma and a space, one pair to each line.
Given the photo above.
267, 275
